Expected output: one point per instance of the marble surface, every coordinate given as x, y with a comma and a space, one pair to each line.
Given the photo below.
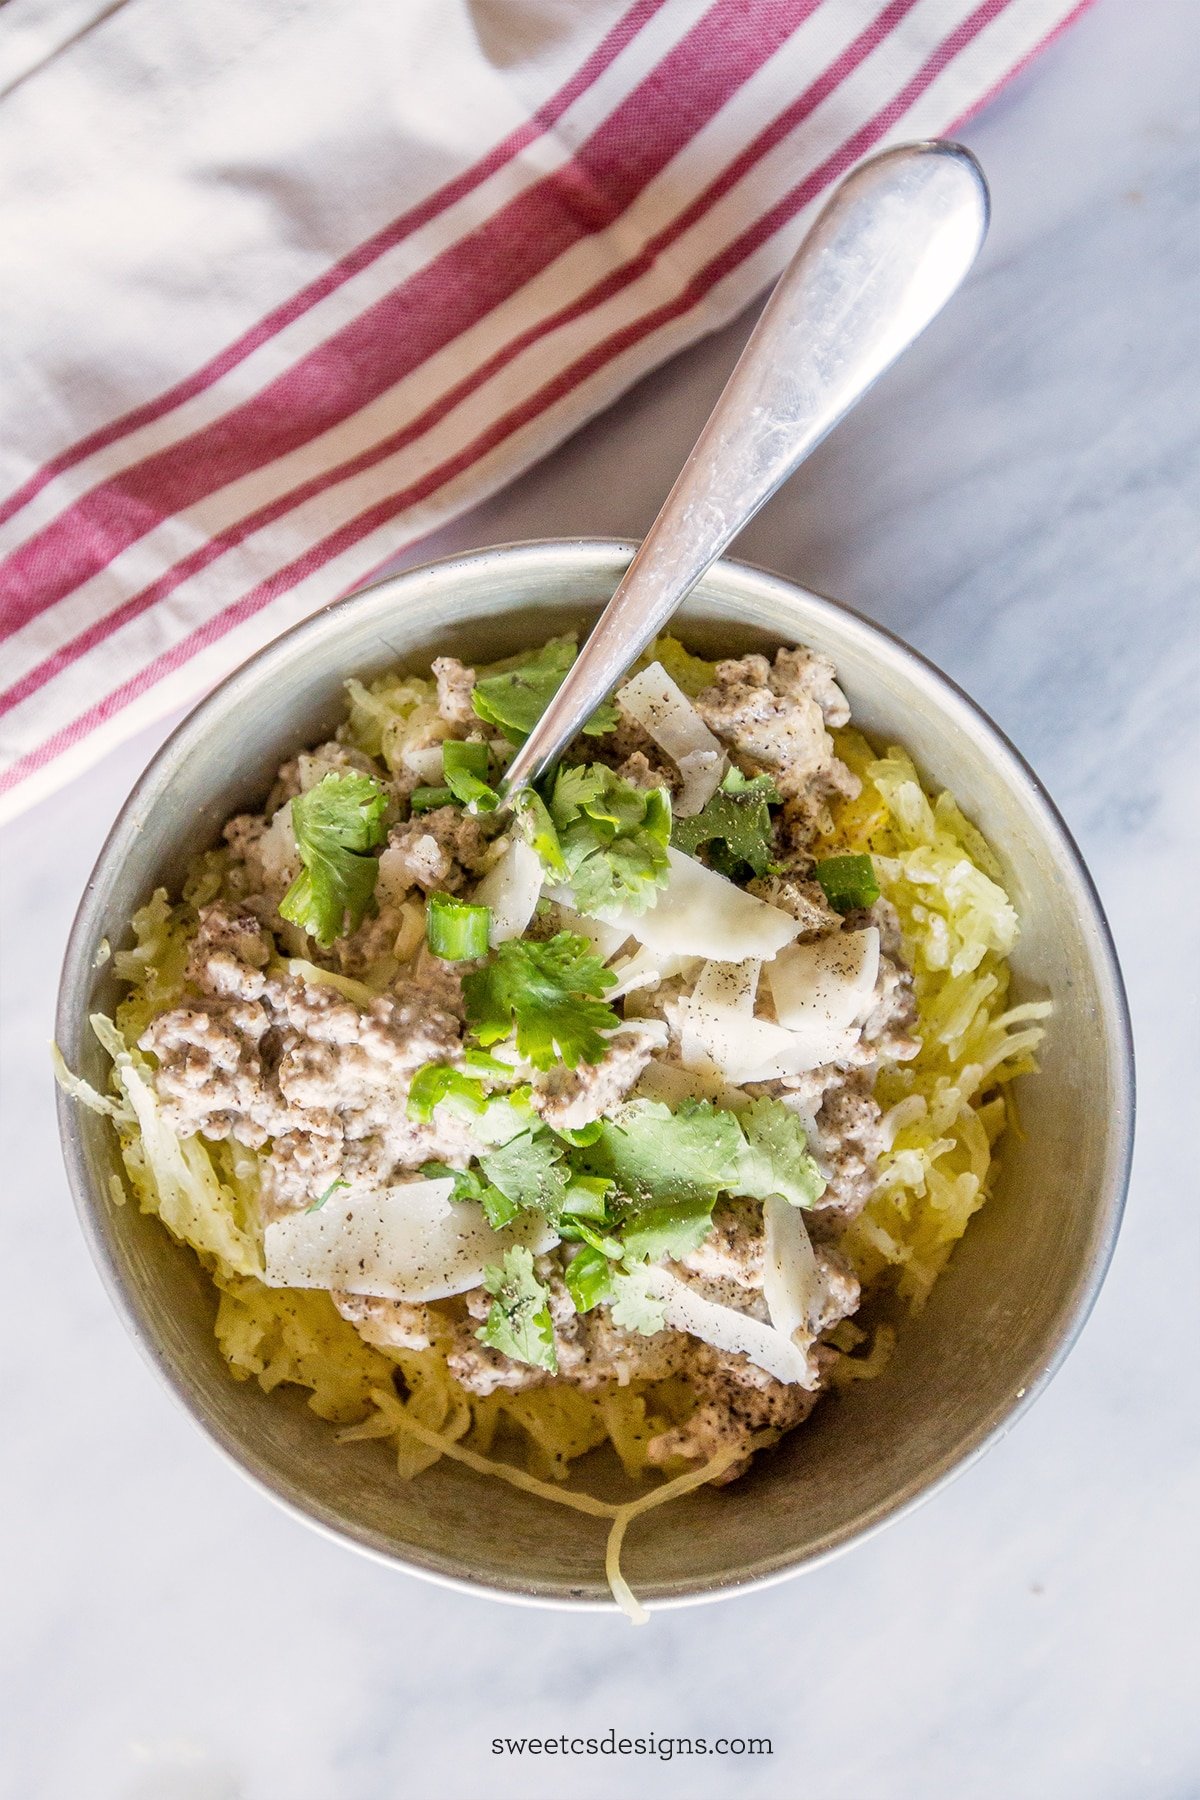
1019, 500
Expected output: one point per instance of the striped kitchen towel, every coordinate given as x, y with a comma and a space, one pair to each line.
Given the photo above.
289, 284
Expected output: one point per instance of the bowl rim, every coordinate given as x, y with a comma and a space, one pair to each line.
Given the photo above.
601, 556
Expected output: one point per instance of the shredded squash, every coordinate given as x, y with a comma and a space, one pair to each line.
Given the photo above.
945, 1111
948, 1106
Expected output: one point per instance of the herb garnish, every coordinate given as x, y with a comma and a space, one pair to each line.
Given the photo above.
548, 994
455, 930
612, 837
466, 768
776, 1158
336, 824
516, 694
519, 1323
333, 1187
735, 825
848, 882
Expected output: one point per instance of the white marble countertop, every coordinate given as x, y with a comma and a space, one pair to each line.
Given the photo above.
1017, 499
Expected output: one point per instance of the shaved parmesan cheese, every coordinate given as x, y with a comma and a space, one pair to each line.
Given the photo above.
724, 1327
728, 984
699, 913
512, 888
828, 983
672, 1083
645, 968
702, 773
652, 1032
743, 1048
640, 970
719, 1031
665, 713
409, 1242
791, 1279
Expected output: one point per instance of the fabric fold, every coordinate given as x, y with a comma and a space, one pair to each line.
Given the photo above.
384, 264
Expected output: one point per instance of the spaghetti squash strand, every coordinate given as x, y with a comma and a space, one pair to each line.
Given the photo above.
623, 1516
621, 1513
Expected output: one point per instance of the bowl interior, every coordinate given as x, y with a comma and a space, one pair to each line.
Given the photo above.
1000, 1318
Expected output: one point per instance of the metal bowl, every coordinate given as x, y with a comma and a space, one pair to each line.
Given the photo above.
1000, 1320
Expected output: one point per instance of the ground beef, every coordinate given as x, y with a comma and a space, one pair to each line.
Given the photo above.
389, 1324
773, 719
455, 685
632, 752
734, 1404
847, 1140
733, 1250
641, 772
807, 672
568, 1099
296, 1065
735, 1397
311, 766
436, 851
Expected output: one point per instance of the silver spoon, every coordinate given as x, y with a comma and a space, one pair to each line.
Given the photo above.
891, 245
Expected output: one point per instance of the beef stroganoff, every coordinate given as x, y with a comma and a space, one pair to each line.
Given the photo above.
638, 1115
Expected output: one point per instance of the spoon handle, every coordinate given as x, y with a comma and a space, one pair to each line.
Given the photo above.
889, 248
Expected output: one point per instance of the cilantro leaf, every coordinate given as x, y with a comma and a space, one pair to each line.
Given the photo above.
498, 1209
548, 993
519, 1323
669, 1168
495, 1119
336, 824
735, 824
611, 837
529, 1170
589, 1279
505, 1116
671, 1230
466, 767
658, 1157
515, 695
777, 1159
633, 1309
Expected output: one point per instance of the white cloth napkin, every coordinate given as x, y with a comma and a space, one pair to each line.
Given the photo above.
286, 285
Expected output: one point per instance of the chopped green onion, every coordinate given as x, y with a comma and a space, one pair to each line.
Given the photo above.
466, 767
456, 930
848, 882
425, 799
